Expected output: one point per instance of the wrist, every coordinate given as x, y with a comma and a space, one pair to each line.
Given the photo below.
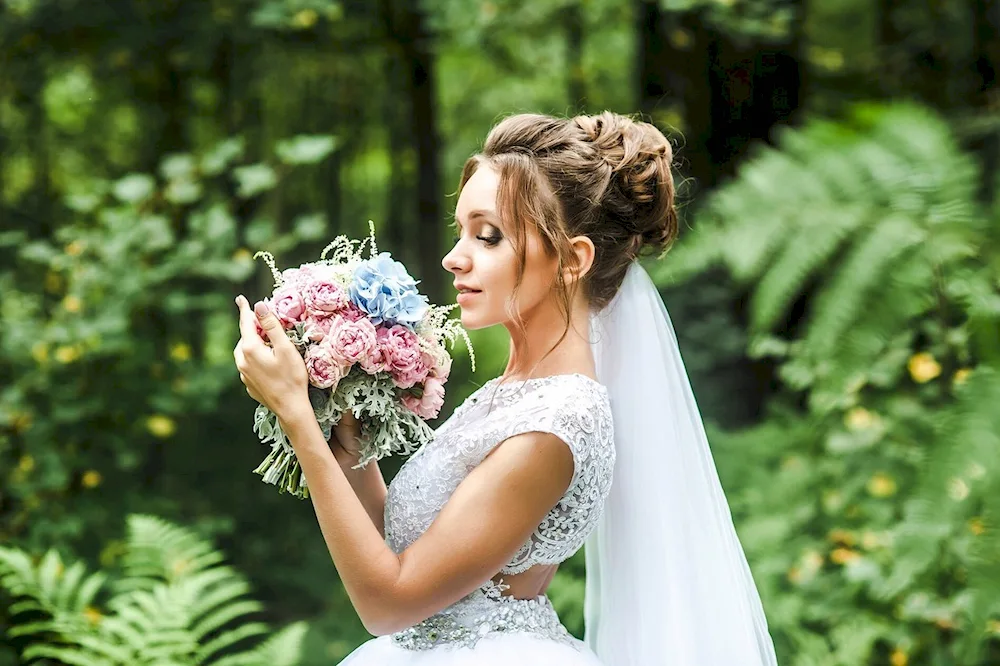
295, 417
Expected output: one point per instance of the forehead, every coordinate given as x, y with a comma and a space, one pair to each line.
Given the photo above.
479, 193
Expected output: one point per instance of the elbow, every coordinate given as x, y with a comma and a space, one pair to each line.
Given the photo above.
383, 623
383, 613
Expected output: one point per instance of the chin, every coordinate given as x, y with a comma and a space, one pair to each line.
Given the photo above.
471, 322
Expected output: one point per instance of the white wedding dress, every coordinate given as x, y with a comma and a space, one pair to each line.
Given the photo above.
486, 628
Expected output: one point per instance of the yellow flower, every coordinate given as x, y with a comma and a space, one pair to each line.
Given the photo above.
75, 248
795, 575
21, 421
923, 367
92, 615
870, 540
67, 353
881, 485
976, 526
791, 462
26, 464
40, 352
958, 489
993, 626
305, 18
180, 352
242, 255
72, 304
843, 556
898, 658
961, 376
859, 418
845, 537
91, 478
161, 426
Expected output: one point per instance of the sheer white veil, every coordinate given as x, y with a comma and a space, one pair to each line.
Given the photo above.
667, 579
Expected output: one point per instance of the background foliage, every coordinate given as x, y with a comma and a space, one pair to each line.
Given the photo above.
835, 288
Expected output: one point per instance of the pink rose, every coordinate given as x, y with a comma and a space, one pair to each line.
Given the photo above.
429, 405
323, 296
288, 306
402, 350
317, 327
324, 370
350, 341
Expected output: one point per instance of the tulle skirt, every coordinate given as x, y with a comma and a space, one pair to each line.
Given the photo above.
481, 631
502, 650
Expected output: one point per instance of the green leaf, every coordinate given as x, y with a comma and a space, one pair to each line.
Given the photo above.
218, 159
254, 179
311, 227
305, 149
134, 188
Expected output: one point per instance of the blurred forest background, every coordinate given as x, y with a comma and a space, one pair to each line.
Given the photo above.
836, 291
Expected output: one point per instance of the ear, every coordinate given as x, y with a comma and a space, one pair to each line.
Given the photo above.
582, 258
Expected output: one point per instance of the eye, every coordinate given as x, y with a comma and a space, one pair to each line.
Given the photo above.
491, 240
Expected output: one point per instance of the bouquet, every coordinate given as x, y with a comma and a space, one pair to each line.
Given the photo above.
372, 345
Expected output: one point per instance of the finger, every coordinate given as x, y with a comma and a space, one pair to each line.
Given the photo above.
240, 357
248, 329
272, 327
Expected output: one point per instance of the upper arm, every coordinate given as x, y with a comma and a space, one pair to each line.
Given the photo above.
482, 526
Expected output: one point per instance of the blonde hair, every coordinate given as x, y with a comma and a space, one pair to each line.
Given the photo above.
605, 176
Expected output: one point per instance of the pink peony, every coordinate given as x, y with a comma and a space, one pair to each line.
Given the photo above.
402, 351
438, 370
429, 405
376, 361
353, 313
322, 296
317, 327
350, 341
324, 370
288, 306
296, 277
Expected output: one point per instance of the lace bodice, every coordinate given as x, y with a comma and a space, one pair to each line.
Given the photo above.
573, 407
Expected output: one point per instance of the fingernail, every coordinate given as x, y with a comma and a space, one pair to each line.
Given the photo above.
260, 308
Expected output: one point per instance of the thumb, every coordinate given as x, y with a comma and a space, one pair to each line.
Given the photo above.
269, 322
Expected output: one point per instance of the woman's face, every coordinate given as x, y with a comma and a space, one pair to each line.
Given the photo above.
484, 261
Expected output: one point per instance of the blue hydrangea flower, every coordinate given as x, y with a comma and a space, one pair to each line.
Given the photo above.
382, 288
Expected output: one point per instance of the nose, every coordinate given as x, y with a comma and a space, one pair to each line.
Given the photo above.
456, 261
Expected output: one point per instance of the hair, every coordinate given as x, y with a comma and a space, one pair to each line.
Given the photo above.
605, 176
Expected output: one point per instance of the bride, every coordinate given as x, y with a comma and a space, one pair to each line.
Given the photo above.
591, 437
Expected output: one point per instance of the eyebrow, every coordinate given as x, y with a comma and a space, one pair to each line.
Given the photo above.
481, 212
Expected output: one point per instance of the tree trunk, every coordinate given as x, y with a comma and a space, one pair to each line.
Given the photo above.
416, 46
986, 99
576, 85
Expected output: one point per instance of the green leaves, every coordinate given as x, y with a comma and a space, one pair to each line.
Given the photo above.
305, 149
175, 603
872, 487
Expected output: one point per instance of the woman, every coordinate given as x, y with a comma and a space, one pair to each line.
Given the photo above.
591, 432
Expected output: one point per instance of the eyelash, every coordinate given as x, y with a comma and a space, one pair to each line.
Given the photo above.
491, 241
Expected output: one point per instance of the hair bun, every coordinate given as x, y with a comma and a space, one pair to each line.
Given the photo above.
640, 195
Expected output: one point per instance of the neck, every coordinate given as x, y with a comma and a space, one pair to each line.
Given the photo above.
543, 328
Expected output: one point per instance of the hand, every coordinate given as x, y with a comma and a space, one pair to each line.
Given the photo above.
275, 376
346, 434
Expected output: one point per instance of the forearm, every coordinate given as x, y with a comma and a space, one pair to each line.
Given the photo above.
368, 485
368, 568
